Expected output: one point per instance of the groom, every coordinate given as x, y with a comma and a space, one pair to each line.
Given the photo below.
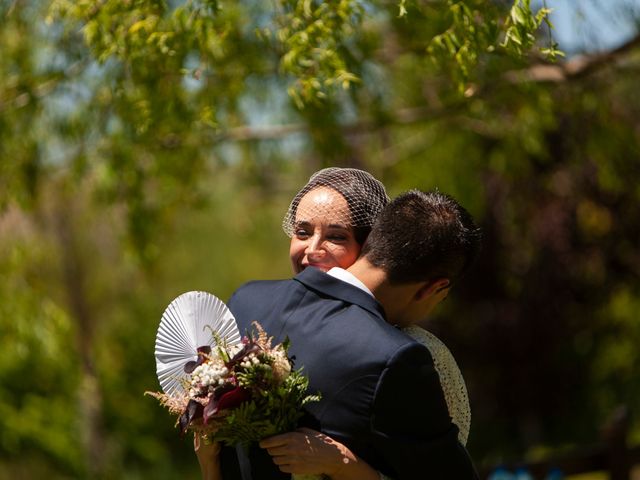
381, 395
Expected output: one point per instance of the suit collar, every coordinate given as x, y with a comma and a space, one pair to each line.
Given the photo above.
319, 281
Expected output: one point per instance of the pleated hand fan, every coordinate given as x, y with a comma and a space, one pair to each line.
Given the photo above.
187, 324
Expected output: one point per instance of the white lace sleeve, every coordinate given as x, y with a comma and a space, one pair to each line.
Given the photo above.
453, 386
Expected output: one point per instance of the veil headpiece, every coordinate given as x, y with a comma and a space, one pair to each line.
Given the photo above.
365, 196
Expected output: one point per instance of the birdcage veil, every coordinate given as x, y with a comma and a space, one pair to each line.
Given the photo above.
365, 196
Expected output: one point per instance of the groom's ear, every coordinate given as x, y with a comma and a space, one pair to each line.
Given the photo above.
432, 287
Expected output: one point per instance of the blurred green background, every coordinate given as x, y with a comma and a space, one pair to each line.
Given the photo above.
149, 148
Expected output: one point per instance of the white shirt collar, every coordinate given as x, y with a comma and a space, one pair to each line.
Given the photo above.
350, 278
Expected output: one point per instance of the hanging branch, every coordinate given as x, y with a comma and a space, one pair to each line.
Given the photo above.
575, 68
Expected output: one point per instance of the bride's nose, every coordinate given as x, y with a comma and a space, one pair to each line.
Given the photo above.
315, 246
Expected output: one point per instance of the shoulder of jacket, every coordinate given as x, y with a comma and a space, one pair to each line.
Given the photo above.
410, 350
263, 285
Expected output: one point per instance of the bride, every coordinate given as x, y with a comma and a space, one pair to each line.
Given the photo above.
328, 221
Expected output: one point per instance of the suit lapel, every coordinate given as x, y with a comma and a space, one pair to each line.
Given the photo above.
327, 285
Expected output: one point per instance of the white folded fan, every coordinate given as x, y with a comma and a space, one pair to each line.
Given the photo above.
187, 324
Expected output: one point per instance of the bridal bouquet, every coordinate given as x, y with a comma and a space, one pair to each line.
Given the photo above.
239, 393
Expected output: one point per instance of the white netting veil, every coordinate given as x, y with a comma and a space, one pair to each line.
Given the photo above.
365, 197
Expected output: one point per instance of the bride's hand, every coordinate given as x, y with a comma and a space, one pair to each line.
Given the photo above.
307, 451
208, 457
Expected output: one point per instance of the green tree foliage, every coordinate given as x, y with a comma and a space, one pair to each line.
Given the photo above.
149, 148
34, 362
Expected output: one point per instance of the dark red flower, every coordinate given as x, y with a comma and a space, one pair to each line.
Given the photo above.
225, 399
193, 411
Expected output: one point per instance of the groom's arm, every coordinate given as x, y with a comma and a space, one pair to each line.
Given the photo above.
411, 425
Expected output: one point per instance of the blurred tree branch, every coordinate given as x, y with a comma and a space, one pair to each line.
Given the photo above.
572, 69
575, 68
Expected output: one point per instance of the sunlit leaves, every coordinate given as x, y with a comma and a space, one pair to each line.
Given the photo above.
313, 42
473, 31
521, 27
477, 29
313, 34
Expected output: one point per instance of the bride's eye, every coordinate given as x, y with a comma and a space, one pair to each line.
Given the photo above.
338, 235
337, 238
302, 233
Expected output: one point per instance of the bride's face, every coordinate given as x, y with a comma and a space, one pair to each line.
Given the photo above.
323, 237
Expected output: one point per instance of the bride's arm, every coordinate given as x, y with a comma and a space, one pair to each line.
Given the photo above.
307, 451
208, 458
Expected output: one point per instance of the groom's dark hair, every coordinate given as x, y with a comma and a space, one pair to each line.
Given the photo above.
423, 236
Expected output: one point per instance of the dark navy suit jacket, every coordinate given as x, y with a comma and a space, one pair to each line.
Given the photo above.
381, 395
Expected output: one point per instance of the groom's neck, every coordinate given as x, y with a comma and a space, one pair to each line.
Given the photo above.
373, 277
